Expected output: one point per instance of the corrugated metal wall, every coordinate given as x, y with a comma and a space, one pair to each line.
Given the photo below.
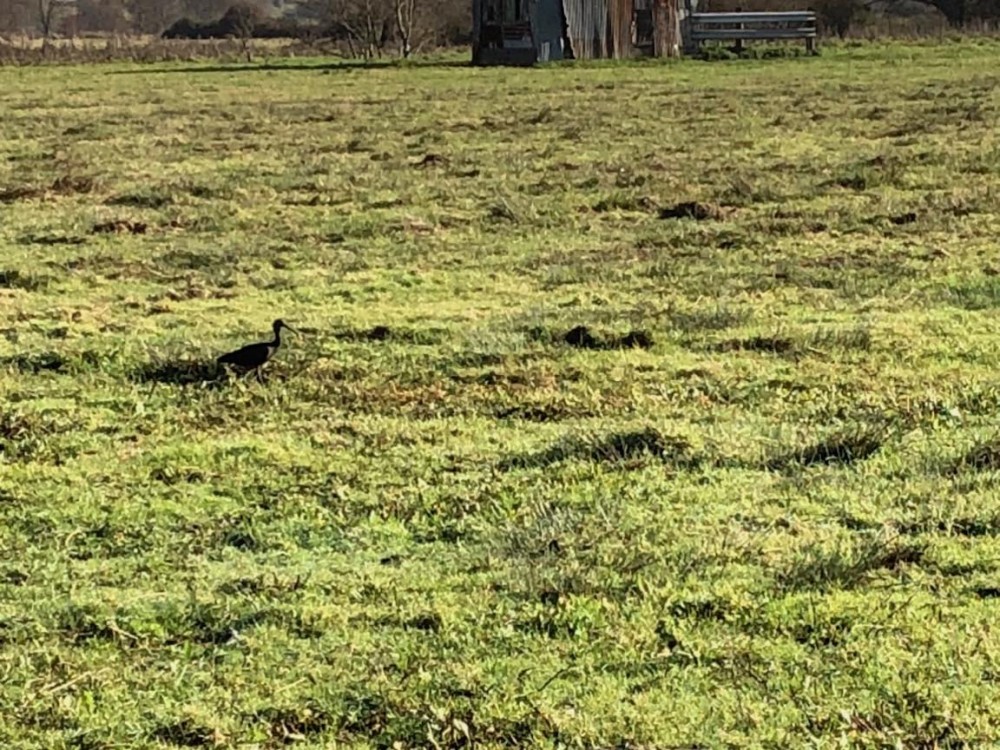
595, 28
621, 13
666, 28
587, 27
600, 28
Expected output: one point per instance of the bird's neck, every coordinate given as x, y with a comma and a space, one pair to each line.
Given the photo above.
277, 337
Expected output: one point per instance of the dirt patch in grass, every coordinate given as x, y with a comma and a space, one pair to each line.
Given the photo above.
624, 202
430, 622
66, 184
187, 733
140, 200
546, 412
430, 160
20, 193
694, 210
119, 226
581, 337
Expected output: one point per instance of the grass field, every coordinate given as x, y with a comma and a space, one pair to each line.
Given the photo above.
755, 504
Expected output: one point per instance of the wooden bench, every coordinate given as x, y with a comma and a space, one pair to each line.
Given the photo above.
740, 27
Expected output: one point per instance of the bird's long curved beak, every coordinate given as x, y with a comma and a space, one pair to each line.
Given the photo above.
285, 325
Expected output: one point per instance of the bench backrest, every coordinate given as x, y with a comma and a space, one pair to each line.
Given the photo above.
795, 24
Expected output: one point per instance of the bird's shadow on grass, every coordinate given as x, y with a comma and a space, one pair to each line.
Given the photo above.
206, 374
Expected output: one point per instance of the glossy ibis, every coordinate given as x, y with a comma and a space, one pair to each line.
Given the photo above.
254, 356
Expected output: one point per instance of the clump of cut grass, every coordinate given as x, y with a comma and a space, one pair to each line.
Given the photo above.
869, 174
849, 564
624, 201
553, 554
841, 448
764, 344
715, 318
857, 338
982, 457
27, 436
179, 372
295, 723
621, 449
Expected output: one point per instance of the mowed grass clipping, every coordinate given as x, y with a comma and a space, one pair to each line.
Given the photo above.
635, 405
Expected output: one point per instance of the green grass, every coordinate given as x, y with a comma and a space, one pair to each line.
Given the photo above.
767, 518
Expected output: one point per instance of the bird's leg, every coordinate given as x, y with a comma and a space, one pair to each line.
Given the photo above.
260, 377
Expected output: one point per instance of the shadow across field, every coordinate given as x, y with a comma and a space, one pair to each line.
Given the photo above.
347, 65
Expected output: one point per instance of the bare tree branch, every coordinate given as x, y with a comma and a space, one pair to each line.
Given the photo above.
49, 14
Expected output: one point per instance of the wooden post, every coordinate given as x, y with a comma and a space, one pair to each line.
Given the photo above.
689, 45
811, 41
666, 28
739, 42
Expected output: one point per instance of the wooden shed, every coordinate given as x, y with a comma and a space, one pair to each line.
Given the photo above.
523, 32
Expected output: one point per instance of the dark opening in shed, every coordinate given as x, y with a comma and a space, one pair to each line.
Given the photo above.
523, 32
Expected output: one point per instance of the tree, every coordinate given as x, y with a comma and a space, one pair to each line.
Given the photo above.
50, 13
837, 15
102, 15
243, 19
405, 12
366, 25
960, 12
15, 15
153, 16
955, 11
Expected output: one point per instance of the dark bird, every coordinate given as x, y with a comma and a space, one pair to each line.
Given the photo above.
254, 356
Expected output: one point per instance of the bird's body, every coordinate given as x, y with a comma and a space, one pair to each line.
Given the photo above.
254, 356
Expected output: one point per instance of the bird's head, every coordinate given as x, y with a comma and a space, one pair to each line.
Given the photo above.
279, 324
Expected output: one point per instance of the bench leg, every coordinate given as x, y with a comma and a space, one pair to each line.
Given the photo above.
811, 45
